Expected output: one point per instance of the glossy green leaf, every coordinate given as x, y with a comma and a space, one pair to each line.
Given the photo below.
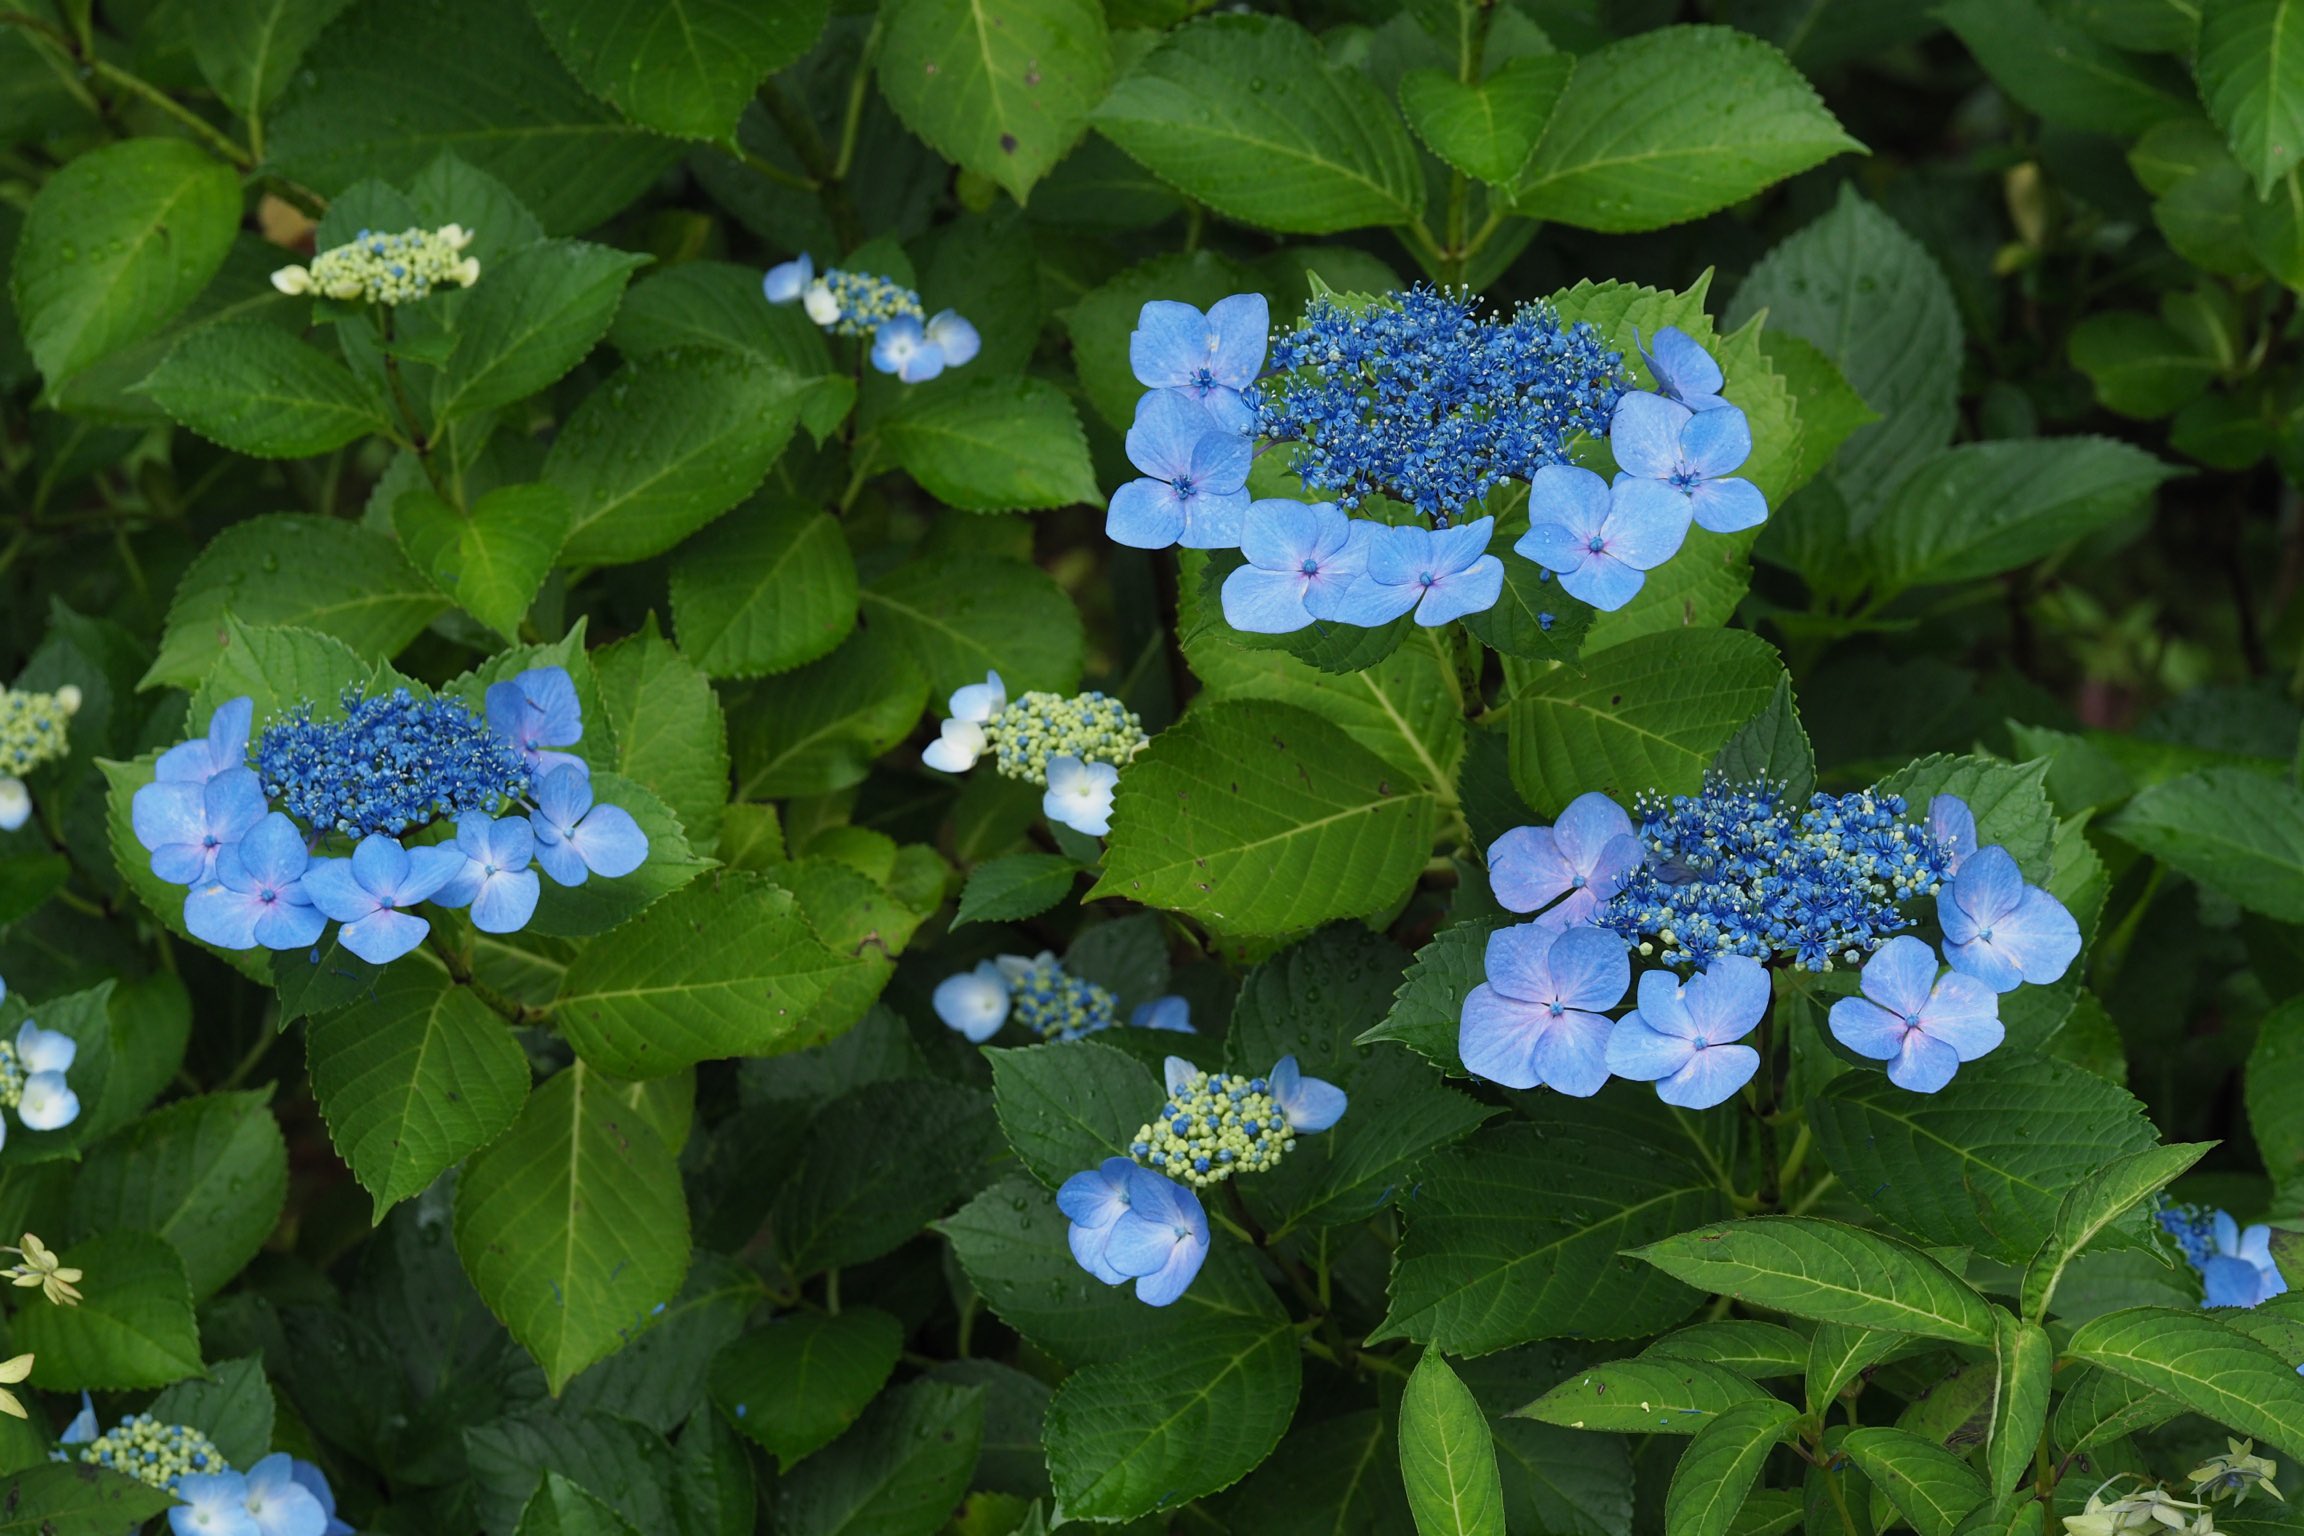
1830, 1271
492, 560
133, 1327
899, 1472
1003, 89
1018, 885
2055, 68
1645, 1397
1066, 1108
2251, 64
1723, 1460
963, 616
682, 67
1489, 129
994, 445
208, 1174
2216, 1371
668, 728
529, 320
763, 591
2024, 1367
2093, 1205
1983, 508
255, 389
59, 1499
797, 1383
1447, 1455
2240, 834
1930, 1487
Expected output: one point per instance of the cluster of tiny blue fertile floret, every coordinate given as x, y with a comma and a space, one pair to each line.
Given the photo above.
906, 340
392, 763
1424, 399
1735, 870
153, 1452
1040, 994
253, 846
1055, 1004
1072, 747
1138, 1218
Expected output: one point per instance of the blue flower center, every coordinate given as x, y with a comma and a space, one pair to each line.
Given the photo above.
1911, 1021
1686, 480
1597, 544
1425, 578
267, 894
1311, 567
1557, 1010
209, 841
1182, 485
1985, 935
1576, 884
1203, 380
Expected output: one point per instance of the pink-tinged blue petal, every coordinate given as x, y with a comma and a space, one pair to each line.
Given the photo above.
898, 344
1664, 1006
217, 914
1590, 968
1518, 962
1368, 602
228, 732
1647, 522
556, 716
1727, 506
1716, 442
1172, 341
505, 901
1645, 435
1242, 325
1987, 890
1712, 1076
1219, 461
610, 841
1727, 998
1554, 546
1309, 1103
1472, 590
1527, 869
1964, 1013
1868, 1029
1212, 519
508, 711
1586, 826
1682, 367
925, 363
1604, 581
383, 936
1924, 1064
1575, 499
1261, 602
1639, 1051
2040, 936
171, 822
1169, 426
1280, 534
332, 888
1571, 1054
1497, 1037
429, 868
1089, 1245
1953, 825
1619, 857
1145, 514
2231, 1282
556, 858
950, 333
1230, 410
1986, 961
1900, 975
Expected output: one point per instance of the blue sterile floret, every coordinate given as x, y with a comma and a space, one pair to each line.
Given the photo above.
393, 763
2235, 1263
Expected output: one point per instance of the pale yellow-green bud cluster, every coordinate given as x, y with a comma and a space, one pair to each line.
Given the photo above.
1213, 1127
154, 1452
11, 1076
32, 727
1039, 726
387, 269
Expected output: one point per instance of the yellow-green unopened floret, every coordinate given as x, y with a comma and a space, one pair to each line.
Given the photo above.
1214, 1127
1039, 726
157, 1453
386, 269
32, 729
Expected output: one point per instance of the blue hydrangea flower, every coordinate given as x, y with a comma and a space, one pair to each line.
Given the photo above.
575, 838
46, 1101
187, 823
1536, 1019
1921, 1024
1302, 560
1601, 542
1194, 491
82, 1429
495, 882
975, 1003
1684, 371
393, 764
536, 712
1441, 575
1080, 795
1583, 857
215, 1504
787, 280
2002, 931
266, 1500
901, 347
367, 892
315, 1482
1953, 825
1682, 1036
2235, 1264
1163, 1240
963, 736
1211, 357
1096, 1202
257, 896
203, 757
1308, 1103
1171, 1013
954, 337
1682, 460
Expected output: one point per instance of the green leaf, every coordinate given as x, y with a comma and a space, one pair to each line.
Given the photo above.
1001, 90
818, 729
669, 443
133, 1327
682, 67
1341, 1180
255, 389
1520, 1232
668, 728
1723, 1460
1983, 508
561, 1508
571, 1224
1931, 1488
899, 1472
1986, 1163
1428, 1009
247, 49
2216, 1371
315, 573
1014, 887
796, 1384
764, 591
71, 1499
580, 911
883, 1160
395, 82
2275, 1091
2062, 73
659, 1377
1174, 1421
2010, 803
1262, 819
1329, 1476
994, 445
1744, 1345
2238, 833
964, 615
1650, 714
412, 1078
1533, 618
728, 967
1065, 1108
115, 245
1742, 119
2139, 364
1101, 321
2100, 1407
208, 1174
492, 560
2097, 1201
1772, 745
1447, 1455
1487, 130
617, 1462
1826, 405
1830, 1271
529, 320
1244, 114
2024, 1365
1645, 1397
717, 304
232, 1405
2251, 65
712, 1483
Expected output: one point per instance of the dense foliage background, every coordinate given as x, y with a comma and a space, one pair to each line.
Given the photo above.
680, 1212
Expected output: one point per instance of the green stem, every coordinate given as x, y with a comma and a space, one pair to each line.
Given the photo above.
793, 122
765, 167
853, 119
832, 1290
151, 93
1423, 247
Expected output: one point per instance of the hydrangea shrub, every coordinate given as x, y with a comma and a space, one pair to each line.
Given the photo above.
959, 767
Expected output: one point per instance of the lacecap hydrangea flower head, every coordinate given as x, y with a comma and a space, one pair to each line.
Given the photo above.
1717, 888
278, 1496
1045, 998
906, 341
330, 823
1420, 398
378, 268
33, 731
1073, 747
